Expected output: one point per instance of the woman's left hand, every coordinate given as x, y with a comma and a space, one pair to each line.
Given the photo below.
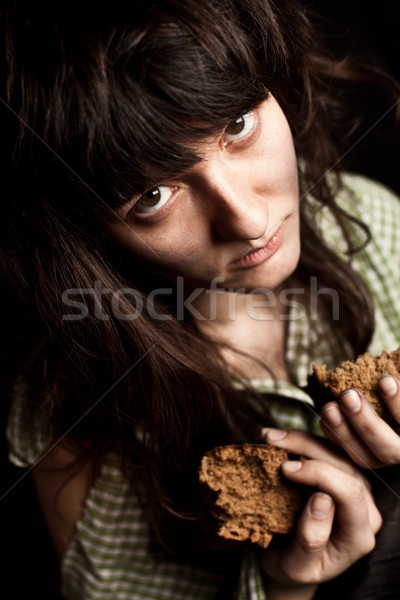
352, 424
329, 538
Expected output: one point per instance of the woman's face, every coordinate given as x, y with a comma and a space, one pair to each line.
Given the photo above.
232, 216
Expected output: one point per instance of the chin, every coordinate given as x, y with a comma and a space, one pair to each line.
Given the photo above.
268, 280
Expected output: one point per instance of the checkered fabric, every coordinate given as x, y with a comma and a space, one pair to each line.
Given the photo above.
109, 555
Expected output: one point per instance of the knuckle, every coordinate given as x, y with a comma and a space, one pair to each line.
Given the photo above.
357, 491
377, 521
314, 541
367, 429
364, 481
368, 543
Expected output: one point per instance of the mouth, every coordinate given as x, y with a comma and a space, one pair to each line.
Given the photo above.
260, 254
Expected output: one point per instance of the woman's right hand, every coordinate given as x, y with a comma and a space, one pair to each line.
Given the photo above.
337, 526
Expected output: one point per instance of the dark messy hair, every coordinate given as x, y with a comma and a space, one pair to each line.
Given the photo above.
96, 98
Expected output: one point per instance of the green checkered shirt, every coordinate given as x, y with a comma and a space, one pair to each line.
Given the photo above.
108, 557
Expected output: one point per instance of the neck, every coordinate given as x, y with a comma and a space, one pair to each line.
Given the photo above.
220, 308
251, 323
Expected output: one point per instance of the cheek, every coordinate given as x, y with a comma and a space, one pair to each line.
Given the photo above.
177, 251
286, 156
283, 153
276, 179
274, 168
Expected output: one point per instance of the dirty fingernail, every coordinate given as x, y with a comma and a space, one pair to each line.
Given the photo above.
332, 415
351, 401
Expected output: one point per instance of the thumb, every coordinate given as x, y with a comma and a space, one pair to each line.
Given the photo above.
300, 563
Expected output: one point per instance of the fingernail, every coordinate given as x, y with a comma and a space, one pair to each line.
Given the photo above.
388, 385
320, 505
332, 415
351, 401
275, 434
291, 466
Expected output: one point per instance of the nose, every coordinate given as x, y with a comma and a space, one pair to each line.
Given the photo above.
234, 205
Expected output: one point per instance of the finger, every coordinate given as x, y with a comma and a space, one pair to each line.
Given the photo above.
352, 499
389, 390
375, 433
314, 529
310, 445
313, 446
302, 561
337, 428
312, 533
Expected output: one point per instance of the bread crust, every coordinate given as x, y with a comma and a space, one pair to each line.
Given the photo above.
363, 373
253, 501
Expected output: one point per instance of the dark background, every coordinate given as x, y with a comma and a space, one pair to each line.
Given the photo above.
28, 565
369, 30
363, 25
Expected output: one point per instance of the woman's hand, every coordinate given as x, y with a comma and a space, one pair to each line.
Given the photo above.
353, 424
337, 526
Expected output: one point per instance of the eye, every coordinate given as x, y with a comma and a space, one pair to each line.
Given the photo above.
153, 199
240, 128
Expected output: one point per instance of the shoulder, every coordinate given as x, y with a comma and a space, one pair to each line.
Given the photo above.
370, 206
374, 203
377, 207
377, 261
62, 481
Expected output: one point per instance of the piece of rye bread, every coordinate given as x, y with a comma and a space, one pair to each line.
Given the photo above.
363, 373
253, 499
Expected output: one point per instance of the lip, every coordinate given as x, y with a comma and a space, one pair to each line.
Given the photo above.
260, 255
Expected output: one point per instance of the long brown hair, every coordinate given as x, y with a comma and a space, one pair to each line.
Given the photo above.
96, 99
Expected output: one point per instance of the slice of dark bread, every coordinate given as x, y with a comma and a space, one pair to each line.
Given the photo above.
253, 499
363, 373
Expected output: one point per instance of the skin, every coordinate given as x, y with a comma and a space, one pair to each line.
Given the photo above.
335, 529
352, 424
237, 197
232, 202
228, 204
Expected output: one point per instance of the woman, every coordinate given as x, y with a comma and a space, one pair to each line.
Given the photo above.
181, 257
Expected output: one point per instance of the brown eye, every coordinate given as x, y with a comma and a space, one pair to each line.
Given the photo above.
154, 199
240, 128
236, 127
151, 197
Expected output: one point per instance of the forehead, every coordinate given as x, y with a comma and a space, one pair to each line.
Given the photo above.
171, 88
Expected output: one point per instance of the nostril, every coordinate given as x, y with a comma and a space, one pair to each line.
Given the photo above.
241, 218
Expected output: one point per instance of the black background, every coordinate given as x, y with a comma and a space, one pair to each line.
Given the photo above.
28, 566
370, 31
